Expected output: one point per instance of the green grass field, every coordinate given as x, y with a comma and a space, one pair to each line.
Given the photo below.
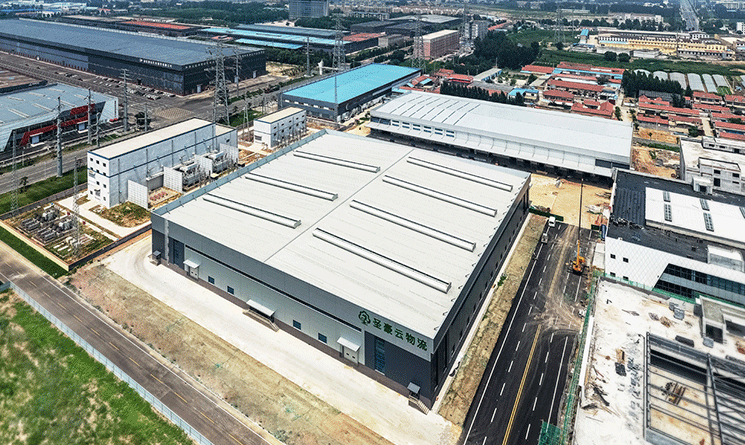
53, 392
42, 189
552, 57
31, 254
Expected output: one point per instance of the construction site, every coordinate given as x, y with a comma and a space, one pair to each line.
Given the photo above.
651, 374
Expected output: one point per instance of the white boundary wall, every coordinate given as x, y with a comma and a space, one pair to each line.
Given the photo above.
137, 194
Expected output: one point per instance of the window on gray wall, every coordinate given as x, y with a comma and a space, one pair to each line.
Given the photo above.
322, 338
231, 291
210, 280
296, 324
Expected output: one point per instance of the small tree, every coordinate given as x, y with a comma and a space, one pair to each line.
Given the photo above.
22, 183
618, 113
610, 56
624, 58
532, 78
559, 46
689, 91
693, 132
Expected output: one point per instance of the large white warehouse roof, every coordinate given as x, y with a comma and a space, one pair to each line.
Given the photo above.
388, 227
550, 130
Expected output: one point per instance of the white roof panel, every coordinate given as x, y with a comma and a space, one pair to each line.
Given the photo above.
399, 241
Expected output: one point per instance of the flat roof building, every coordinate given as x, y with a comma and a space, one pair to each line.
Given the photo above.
308, 8
32, 113
286, 125
716, 163
347, 93
492, 131
377, 253
178, 66
666, 235
142, 159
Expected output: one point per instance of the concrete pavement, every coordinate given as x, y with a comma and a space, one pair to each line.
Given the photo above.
187, 398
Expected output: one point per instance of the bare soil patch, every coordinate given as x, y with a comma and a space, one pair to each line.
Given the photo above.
463, 388
283, 408
655, 161
657, 135
562, 197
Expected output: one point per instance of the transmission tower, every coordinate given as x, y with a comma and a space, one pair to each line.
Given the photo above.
220, 98
16, 184
90, 135
465, 37
126, 103
419, 44
307, 57
559, 35
59, 137
75, 211
339, 61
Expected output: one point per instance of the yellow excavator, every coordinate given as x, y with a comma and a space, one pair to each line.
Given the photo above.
578, 265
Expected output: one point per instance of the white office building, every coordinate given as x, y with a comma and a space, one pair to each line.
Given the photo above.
713, 164
280, 127
664, 235
142, 158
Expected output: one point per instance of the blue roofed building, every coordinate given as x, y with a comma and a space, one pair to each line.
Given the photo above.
347, 93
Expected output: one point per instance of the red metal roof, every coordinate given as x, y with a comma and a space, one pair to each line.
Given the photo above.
586, 67
158, 25
673, 110
735, 136
651, 119
575, 85
735, 99
702, 95
558, 94
725, 116
605, 110
537, 69
686, 119
729, 126
707, 107
362, 36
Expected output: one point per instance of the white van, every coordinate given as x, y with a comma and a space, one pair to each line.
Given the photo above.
552, 221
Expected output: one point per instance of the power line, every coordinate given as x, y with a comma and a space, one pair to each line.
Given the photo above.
59, 137
14, 193
419, 44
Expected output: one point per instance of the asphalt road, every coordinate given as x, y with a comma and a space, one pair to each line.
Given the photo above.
178, 391
526, 373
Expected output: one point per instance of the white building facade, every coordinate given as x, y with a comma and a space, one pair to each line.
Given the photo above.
140, 158
713, 163
280, 127
665, 236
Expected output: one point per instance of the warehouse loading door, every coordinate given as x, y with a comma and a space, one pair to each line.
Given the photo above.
349, 350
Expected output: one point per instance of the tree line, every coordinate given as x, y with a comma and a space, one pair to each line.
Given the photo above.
455, 89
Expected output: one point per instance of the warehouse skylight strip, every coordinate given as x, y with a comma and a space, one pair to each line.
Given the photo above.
666, 196
253, 211
337, 161
460, 174
440, 195
704, 204
742, 210
381, 260
668, 213
708, 223
413, 225
292, 186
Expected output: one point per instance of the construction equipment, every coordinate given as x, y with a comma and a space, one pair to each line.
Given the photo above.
578, 265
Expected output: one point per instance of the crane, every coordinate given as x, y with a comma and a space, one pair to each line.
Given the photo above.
578, 265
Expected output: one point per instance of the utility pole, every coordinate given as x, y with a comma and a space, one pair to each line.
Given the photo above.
90, 135
126, 104
14, 178
59, 137
98, 130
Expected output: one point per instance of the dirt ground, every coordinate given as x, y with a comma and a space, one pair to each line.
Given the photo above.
656, 135
564, 199
655, 161
459, 396
287, 411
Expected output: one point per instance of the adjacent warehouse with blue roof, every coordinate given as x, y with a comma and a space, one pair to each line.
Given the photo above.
178, 66
347, 93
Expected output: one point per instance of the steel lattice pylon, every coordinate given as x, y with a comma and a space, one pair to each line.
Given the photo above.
419, 45
220, 98
339, 61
